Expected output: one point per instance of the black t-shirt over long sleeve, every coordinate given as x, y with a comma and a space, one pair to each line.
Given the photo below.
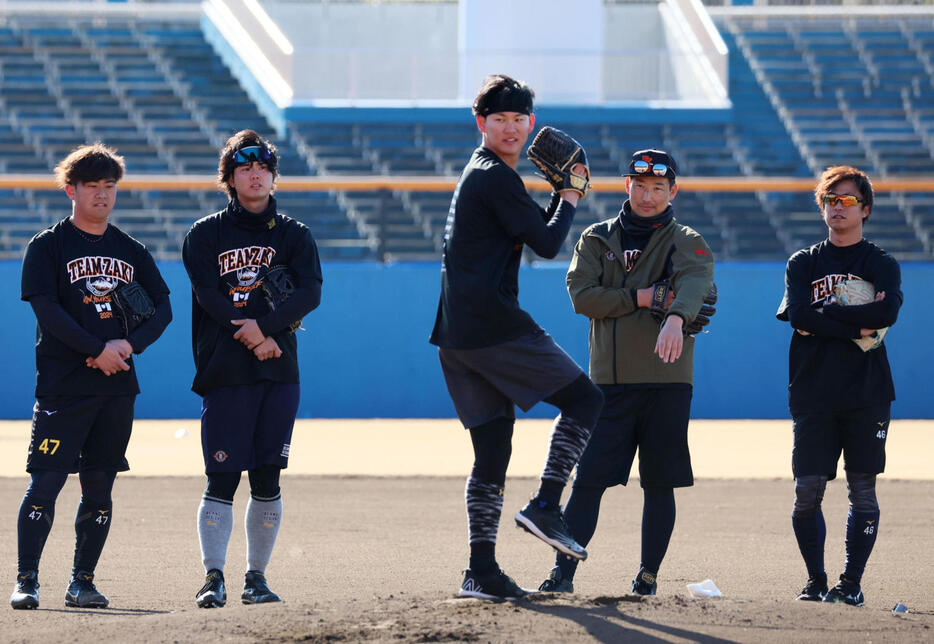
68, 278
227, 255
826, 370
491, 217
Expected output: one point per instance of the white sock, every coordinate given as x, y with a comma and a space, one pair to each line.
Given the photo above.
215, 523
262, 526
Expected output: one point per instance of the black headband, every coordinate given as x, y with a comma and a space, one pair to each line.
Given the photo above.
508, 101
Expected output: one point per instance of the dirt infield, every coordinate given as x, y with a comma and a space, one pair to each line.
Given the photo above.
367, 558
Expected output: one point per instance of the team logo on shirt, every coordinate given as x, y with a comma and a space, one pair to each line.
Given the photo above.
246, 264
822, 289
220, 456
101, 275
610, 256
100, 285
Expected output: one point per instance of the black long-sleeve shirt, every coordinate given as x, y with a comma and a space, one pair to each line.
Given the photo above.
826, 370
68, 279
492, 216
227, 255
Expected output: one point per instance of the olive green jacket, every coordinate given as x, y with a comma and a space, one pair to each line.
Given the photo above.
622, 335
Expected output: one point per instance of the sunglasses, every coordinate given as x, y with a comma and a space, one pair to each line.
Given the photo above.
252, 153
658, 169
847, 200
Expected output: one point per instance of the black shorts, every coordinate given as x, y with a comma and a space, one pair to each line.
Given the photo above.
652, 419
487, 383
80, 433
245, 426
858, 433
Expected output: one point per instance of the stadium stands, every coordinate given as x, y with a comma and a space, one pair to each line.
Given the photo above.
806, 93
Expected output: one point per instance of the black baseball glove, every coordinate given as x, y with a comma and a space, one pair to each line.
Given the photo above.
132, 305
555, 153
278, 286
661, 300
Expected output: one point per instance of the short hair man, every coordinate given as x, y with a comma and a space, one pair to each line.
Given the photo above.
73, 276
645, 373
246, 355
494, 356
839, 393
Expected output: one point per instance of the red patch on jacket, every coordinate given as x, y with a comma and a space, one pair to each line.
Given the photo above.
701, 251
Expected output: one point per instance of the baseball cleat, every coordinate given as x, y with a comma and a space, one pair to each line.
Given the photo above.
26, 591
644, 584
213, 594
255, 589
495, 585
845, 592
815, 590
548, 525
556, 583
81, 592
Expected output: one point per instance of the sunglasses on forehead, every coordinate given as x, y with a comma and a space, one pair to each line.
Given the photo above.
252, 153
847, 200
658, 169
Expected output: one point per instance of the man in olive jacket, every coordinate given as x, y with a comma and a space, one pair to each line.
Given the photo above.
645, 372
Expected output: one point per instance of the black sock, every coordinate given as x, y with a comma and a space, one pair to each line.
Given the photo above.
549, 494
482, 556
658, 522
861, 531
92, 523
581, 513
811, 532
32, 529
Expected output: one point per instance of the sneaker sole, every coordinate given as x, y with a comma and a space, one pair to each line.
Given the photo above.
27, 604
260, 600
845, 603
74, 604
531, 528
476, 594
211, 603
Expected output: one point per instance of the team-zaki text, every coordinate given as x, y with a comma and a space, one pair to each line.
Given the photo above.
99, 266
249, 257
823, 288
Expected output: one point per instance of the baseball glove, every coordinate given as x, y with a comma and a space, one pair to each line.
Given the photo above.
854, 293
662, 298
278, 286
132, 305
555, 153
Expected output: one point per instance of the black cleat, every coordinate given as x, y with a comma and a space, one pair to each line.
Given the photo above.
815, 590
845, 592
81, 592
213, 594
557, 583
26, 591
548, 525
255, 589
494, 584
644, 583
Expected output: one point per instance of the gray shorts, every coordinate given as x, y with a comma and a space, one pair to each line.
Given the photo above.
486, 383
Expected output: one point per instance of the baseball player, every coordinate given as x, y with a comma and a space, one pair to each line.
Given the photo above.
73, 276
493, 354
245, 354
645, 372
839, 393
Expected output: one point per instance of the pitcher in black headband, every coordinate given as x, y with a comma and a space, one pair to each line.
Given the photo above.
493, 354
